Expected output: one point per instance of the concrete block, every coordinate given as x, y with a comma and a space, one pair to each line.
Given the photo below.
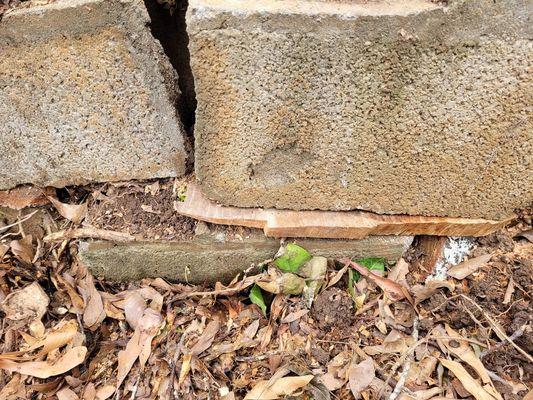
212, 256
86, 94
402, 107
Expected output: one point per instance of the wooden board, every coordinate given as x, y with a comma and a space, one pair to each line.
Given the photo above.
329, 224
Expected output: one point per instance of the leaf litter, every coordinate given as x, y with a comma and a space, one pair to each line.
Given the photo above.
303, 328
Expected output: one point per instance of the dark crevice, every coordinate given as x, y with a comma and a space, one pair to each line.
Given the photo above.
168, 25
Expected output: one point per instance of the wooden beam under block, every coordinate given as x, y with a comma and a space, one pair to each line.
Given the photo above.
329, 224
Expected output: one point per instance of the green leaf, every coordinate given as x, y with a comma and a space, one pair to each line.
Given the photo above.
352, 278
256, 297
372, 263
293, 258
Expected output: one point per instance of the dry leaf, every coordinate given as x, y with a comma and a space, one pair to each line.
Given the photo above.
43, 369
393, 290
423, 292
422, 394
94, 312
23, 249
509, 291
24, 196
399, 272
105, 392
462, 270
207, 337
134, 306
458, 346
73, 212
271, 390
29, 303
139, 346
66, 394
294, 316
466, 379
53, 340
360, 376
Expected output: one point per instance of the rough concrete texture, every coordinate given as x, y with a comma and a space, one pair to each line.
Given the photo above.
86, 94
401, 107
211, 257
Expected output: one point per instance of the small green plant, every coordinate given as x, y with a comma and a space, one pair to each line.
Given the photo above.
256, 297
293, 258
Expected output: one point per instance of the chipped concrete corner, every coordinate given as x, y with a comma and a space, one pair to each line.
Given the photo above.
86, 94
393, 107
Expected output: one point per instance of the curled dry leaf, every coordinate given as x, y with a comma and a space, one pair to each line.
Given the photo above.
462, 270
23, 249
94, 312
360, 376
274, 389
29, 303
105, 392
66, 394
469, 383
393, 289
73, 212
423, 292
134, 306
43, 369
458, 346
139, 346
207, 337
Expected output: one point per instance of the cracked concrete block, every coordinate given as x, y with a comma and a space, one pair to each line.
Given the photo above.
214, 256
86, 94
404, 107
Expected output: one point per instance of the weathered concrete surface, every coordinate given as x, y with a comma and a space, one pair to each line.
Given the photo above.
392, 107
211, 257
86, 94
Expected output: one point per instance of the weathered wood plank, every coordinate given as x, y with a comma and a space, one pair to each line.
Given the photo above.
330, 224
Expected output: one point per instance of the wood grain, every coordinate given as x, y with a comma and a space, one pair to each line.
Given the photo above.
329, 224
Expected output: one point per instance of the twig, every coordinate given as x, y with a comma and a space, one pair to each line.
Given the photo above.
91, 233
407, 366
514, 336
26, 217
498, 330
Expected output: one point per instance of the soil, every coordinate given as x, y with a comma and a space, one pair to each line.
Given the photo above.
334, 309
144, 210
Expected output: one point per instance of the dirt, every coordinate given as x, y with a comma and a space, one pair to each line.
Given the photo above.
144, 210
334, 309
513, 259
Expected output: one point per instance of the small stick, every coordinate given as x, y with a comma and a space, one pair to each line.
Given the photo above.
91, 233
514, 336
407, 366
26, 217
498, 329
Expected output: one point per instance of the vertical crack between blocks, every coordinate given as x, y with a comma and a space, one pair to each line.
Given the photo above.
169, 27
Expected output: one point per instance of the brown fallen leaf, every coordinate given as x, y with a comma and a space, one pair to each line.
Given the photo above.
94, 312
272, 390
458, 346
426, 394
469, 383
294, 316
53, 340
360, 376
139, 346
393, 289
23, 249
509, 291
423, 292
73, 212
527, 234
462, 270
134, 306
207, 337
25, 196
105, 392
29, 303
66, 394
43, 369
